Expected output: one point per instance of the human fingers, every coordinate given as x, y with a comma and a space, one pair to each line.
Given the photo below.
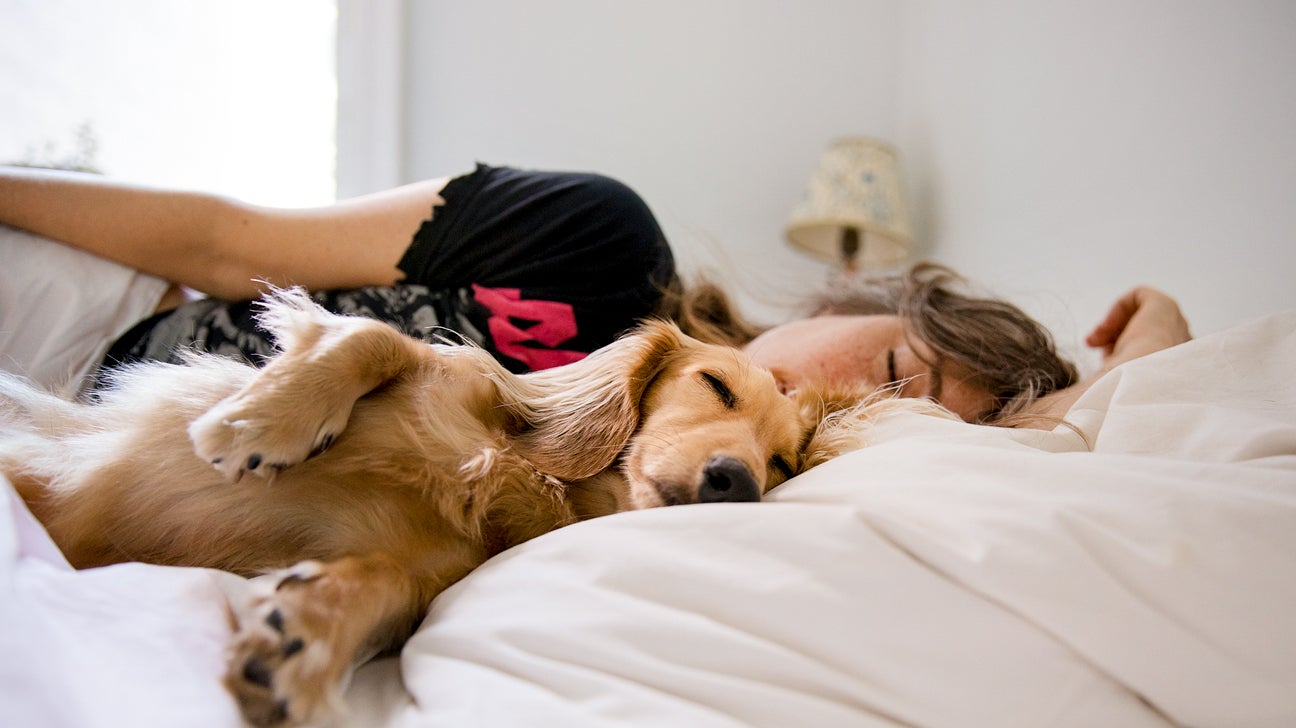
1118, 317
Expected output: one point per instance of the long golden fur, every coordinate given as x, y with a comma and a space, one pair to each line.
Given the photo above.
368, 472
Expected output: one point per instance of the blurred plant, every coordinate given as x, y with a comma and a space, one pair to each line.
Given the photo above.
81, 159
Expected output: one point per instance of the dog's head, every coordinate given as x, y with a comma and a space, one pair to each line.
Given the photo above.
713, 427
682, 421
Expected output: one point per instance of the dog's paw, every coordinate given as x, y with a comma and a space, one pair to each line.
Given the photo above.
262, 435
282, 668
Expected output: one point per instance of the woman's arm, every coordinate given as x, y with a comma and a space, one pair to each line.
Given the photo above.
215, 244
1141, 322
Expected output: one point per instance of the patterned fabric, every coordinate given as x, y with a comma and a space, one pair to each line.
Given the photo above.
229, 328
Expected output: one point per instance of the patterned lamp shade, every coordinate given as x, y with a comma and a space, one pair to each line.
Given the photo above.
854, 212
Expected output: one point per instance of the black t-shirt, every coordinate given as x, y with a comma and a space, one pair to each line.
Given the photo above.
539, 268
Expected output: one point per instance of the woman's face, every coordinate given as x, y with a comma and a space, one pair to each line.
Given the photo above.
865, 352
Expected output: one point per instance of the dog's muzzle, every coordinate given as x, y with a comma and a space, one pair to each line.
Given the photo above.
727, 480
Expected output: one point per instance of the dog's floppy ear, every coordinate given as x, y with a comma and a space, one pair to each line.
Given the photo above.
573, 421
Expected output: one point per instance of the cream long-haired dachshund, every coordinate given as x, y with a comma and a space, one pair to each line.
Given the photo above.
372, 471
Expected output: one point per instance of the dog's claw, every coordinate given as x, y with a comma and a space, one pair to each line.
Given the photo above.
257, 672
324, 444
296, 579
293, 646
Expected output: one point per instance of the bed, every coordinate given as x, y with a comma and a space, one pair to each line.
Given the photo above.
1139, 570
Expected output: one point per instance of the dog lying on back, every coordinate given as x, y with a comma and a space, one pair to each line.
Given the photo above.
372, 471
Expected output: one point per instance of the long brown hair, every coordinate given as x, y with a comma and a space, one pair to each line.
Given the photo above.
1005, 350
704, 310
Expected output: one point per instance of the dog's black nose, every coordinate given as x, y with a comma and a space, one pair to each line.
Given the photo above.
727, 480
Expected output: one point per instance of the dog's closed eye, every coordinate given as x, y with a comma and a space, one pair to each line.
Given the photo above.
782, 467
722, 390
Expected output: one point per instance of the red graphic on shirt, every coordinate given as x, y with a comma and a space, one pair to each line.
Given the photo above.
555, 323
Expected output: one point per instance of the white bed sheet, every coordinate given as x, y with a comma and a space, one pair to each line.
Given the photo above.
947, 575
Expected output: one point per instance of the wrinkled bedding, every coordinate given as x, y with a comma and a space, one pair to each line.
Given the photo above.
1139, 572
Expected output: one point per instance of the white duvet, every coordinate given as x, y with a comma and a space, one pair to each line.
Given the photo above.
947, 575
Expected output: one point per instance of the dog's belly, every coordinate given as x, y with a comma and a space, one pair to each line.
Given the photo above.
140, 493
195, 518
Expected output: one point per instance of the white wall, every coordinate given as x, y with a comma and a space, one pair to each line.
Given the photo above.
1058, 152
714, 110
1063, 152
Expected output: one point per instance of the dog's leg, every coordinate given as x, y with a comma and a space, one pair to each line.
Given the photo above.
298, 639
301, 401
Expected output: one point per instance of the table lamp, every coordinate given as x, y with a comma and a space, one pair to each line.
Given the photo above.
853, 213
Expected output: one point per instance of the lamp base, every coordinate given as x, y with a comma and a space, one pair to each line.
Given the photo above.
851, 244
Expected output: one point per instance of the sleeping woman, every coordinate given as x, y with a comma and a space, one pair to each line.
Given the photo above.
538, 268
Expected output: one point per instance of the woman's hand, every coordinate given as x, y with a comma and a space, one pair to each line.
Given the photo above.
1141, 322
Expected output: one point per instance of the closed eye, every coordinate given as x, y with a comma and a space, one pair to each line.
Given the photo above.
722, 390
780, 464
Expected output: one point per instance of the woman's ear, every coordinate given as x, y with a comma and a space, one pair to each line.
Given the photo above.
576, 419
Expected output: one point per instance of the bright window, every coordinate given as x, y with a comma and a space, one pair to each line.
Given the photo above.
237, 97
